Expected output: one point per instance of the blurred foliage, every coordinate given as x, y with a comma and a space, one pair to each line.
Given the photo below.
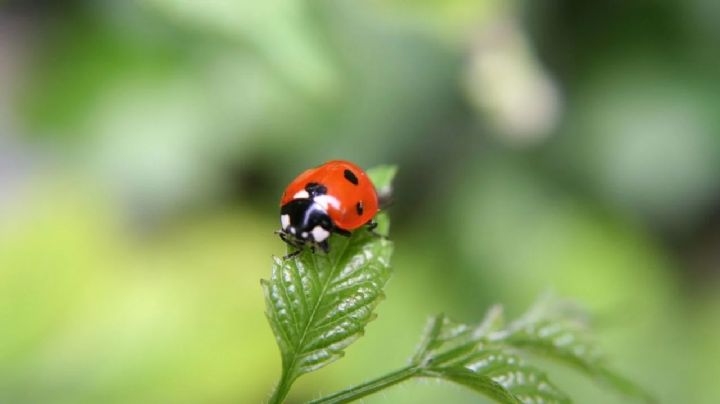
554, 145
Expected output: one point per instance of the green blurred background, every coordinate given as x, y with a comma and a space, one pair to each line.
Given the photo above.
554, 145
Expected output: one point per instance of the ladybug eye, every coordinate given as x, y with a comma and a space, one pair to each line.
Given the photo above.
326, 223
350, 176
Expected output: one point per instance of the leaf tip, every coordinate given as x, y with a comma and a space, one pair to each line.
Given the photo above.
382, 177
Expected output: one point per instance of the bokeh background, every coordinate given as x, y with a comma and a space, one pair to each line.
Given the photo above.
553, 145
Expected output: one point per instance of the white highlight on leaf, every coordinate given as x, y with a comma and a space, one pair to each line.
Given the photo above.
564, 339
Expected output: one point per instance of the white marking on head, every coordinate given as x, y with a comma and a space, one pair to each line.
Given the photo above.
304, 234
320, 234
301, 195
285, 221
292, 230
326, 200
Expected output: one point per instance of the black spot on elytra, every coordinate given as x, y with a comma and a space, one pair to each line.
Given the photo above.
314, 189
359, 208
350, 176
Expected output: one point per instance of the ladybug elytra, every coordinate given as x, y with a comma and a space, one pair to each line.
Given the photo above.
336, 197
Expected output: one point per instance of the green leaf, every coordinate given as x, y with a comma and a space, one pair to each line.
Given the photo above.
318, 304
467, 355
550, 331
481, 384
487, 357
382, 177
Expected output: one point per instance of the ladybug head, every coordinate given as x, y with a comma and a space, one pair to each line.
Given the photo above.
304, 220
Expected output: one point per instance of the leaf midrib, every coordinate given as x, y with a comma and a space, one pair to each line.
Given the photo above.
313, 313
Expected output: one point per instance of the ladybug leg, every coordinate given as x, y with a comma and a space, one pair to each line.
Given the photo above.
371, 226
325, 246
292, 254
283, 237
342, 232
298, 250
294, 243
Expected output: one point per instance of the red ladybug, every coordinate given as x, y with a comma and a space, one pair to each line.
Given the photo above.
336, 197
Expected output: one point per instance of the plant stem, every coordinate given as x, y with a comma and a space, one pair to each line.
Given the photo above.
282, 389
367, 388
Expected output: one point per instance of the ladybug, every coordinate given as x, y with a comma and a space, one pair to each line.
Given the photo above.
336, 197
